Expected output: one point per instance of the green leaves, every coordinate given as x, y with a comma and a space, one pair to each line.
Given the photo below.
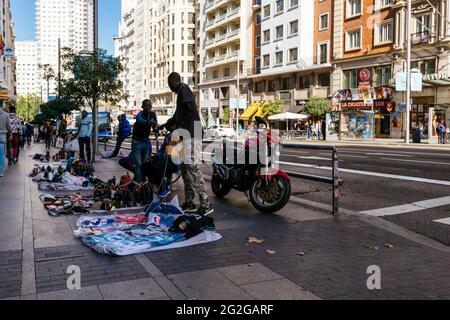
317, 107
53, 109
92, 78
28, 107
272, 108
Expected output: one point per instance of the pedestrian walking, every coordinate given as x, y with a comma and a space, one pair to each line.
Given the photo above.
84, 136
141, 147
62, 131
123, 133
36, 134
442, 131
48, 133
16, 134
186, 117
5, 133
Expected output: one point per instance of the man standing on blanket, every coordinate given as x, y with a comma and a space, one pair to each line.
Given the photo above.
141, 146
186, 117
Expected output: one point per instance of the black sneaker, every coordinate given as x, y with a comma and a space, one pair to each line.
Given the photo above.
188, 207
205, 211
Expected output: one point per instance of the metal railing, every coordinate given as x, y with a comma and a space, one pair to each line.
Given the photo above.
333, 180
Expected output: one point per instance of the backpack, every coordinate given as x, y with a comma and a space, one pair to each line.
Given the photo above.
192, 225
441, 128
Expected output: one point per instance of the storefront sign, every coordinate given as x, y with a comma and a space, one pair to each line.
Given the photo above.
436, 76
368, 104
364, 78
401, 82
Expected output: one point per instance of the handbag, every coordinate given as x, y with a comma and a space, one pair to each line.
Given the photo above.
60, 143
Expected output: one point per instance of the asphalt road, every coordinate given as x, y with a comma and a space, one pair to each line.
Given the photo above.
377, 178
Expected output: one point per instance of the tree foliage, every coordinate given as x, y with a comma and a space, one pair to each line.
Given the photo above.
226, 116
317, 107
28, 107
56, 108
271, 108
88, 79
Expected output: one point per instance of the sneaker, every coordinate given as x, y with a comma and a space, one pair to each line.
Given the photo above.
164, 193
188, 207
205, 211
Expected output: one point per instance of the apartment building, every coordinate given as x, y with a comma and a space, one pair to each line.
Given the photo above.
157, 37
370, 41
28, 81
69, 21
295, 51
226, 42
7, 55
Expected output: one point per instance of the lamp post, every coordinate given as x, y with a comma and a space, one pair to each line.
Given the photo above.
408, 71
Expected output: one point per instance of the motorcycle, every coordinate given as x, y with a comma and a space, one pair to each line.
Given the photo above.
267, 188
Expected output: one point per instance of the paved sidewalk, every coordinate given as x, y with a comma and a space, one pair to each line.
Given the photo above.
306, 254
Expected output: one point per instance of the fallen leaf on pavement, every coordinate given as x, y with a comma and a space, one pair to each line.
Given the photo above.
271, 252
301, 254
372, 247
255, 240
390, 246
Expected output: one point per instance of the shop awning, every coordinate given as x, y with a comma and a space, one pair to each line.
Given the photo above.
250, 112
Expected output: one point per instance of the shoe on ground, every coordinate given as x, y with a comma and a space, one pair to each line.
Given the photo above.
205, 211
188, 207
1, 175
165, 193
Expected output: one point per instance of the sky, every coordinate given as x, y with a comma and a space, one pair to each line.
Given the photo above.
23, 13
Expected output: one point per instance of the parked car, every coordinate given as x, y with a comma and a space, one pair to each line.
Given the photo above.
222, 131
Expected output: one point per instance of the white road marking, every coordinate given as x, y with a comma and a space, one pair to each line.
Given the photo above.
395, 152
443, 221
408, 208
356, 157
372, 174
417, 161
388, 154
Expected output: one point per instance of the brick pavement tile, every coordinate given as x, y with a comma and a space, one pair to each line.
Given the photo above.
281, 289
95, 268
10, 273
90, 293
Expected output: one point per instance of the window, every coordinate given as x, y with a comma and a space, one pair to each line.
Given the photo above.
293, 55
323, 53
353, 8
350, 79
380, 4
279, 32
323, 22
258, 41
384, 32
280, 6
353, 39
266, 11
324, 80
425, 66
266, 60
293, 28
293, 3
382, 76
266, 36
259, 87
423, 23
227, 72
279, 58
305, 82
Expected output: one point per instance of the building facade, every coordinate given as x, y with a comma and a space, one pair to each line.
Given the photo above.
69, 21
226, 42
27, 68
8, 93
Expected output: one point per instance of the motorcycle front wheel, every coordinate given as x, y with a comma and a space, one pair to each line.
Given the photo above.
270, 195
219, 188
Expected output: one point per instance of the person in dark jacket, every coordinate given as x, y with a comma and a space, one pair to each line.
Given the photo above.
141, 147
187, 117
123, 133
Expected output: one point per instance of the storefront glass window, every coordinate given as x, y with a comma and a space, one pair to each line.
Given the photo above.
425, 67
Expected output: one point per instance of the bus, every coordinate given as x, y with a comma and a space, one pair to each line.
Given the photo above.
105, 131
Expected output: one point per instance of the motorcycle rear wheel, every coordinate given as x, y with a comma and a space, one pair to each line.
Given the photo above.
279, 185
219, 187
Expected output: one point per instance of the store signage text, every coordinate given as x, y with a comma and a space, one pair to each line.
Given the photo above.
436, 76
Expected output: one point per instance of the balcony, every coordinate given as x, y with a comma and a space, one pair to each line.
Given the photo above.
420, 38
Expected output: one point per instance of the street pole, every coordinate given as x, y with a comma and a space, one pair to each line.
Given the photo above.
408, 72
95, 102
238, 99
59, 68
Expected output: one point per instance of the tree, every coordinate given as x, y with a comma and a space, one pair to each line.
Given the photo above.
271, 108
317, 107
89, 79
226, 116
28, 107
54, 109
